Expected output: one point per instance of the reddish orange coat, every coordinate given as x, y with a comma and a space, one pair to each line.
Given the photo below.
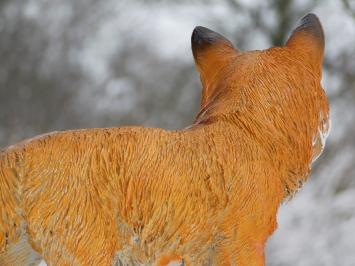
205, 195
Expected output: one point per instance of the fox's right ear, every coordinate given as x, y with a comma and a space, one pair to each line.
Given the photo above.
308, 39
212, 52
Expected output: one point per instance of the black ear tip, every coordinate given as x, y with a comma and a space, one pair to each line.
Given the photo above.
310, 19
202, 35
311, 23
310, 16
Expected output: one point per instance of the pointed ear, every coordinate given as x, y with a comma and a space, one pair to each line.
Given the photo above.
212, 53
308, 39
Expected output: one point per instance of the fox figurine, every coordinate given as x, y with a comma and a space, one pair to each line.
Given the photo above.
204, 195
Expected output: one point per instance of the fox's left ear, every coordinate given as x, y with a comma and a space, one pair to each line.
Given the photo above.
213, 53
308, 39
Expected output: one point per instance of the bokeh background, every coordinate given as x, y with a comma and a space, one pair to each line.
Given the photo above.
85, 63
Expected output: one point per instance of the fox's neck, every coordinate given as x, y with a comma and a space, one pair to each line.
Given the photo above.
261, 138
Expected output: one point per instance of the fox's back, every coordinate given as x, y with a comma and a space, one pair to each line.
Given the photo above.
142, 185
65, 180
62, 183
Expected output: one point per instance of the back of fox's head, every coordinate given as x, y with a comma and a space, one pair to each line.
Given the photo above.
274, 95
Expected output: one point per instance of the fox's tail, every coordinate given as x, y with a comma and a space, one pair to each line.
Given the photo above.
14, 247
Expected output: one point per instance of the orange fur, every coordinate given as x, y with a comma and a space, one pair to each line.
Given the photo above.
205, 195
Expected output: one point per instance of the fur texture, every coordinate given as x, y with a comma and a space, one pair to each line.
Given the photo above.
204, 195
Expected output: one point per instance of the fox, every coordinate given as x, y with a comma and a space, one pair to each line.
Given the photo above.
207, 194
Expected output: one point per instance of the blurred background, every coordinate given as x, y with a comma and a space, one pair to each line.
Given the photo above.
84, 63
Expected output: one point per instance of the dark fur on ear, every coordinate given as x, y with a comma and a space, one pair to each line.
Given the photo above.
213, 53
203, 37
308, 38
311, 25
